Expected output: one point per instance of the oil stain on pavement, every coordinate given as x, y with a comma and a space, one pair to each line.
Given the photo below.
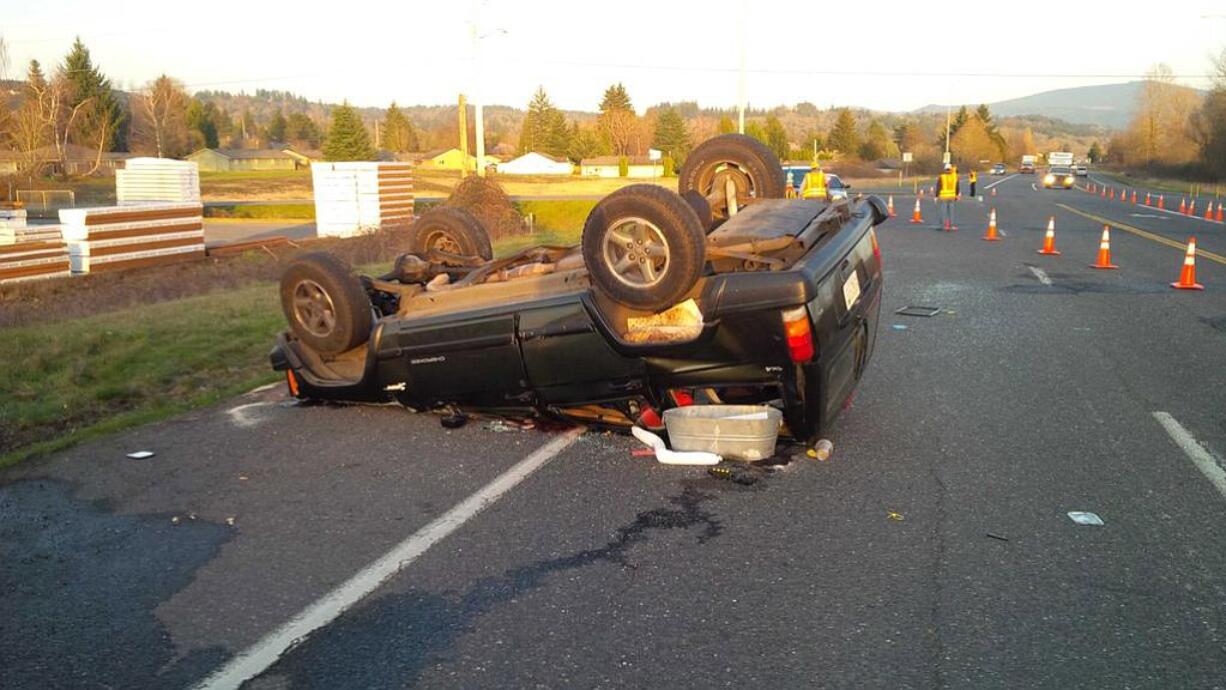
79, 588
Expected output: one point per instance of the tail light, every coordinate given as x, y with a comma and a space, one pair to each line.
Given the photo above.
876, 247
799, 334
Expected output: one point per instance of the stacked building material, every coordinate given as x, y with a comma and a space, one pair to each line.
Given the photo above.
118, 237
360, 197
145, 180
29, 252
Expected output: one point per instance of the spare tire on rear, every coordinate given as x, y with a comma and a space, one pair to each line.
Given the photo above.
644, 246
325, 304
453, 230
748, 163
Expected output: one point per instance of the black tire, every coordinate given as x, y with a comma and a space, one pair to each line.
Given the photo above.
758, 165
670, 223
702, 209
450, 229
325, 304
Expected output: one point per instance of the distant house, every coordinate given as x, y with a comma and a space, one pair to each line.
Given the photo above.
533, 163
76, 160
231, 160
610, 166
453, 159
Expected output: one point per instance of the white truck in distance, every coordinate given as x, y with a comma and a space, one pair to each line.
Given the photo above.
1027, 164
1059, 159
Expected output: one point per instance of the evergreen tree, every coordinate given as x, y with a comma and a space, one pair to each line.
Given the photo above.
347, 139
200, 126
1095, 154
877, 144
87, 82
615, 98
398, 132
777, 137
617, 120
300, 130
276, 127
844, 138
584, 143
726, 125
671, 135
544, 129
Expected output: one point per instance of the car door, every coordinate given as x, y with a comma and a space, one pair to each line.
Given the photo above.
465, 358
568, 360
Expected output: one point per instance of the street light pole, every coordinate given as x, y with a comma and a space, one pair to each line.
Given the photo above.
477, 99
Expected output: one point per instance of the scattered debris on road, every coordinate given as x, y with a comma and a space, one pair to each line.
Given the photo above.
141, 454
1085, 518
898, 326
997, 537
453, 421
924, 312
896, 517
671, 457
821, 451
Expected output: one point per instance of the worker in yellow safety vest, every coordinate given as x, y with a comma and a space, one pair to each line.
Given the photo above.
972, 178
814, 185
947, 194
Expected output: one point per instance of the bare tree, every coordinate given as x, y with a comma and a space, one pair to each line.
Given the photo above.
159, 119
621, 129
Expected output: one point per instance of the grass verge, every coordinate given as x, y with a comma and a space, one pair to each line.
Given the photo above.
1161, 184
262, 211
73, 380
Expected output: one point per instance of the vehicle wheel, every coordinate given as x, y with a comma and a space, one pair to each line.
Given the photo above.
452, 230
644, 246
752, 168
325, 304
701, 209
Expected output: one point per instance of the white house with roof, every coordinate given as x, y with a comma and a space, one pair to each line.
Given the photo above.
533, 163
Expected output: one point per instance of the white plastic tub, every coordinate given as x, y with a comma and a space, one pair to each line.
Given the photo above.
736, 432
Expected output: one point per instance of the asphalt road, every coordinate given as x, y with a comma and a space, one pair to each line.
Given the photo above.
932, 550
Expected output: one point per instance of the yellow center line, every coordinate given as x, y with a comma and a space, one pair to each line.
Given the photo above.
1145, 233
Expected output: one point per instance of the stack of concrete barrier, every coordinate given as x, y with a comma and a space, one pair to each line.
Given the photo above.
30, 252
361, 197
118, 237
145, 180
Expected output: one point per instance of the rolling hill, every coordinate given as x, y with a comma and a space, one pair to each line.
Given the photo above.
1107, 105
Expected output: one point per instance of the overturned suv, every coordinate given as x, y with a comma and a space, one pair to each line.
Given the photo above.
724, 290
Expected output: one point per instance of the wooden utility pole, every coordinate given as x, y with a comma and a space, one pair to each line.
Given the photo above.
463, 136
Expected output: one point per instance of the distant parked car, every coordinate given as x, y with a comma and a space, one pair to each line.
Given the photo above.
1081, 170
999, 169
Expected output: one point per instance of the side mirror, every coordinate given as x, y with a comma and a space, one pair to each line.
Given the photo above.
846, 186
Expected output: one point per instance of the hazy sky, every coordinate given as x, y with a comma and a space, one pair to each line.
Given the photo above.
883, 55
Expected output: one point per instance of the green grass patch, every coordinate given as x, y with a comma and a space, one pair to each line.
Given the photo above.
555, 222
1161, 184
262, 211
255, 175
73, 380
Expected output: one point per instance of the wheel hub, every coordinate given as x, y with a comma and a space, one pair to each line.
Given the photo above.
636, 252
313, 308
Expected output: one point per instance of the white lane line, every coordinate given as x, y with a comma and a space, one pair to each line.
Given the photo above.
1040, 274
1003, 179
1032, 186
259, 657
1198, 454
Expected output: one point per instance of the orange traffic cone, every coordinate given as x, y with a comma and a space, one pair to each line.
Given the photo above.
1183, 205
889, 205
1103, 192
1147, 199
1134, 196
915, 215
1187, 277
1049, 240
1192, 207
1111, 193
1219, 218
1162, 201
993, 191
1104, 251
991, 235
1209, 211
